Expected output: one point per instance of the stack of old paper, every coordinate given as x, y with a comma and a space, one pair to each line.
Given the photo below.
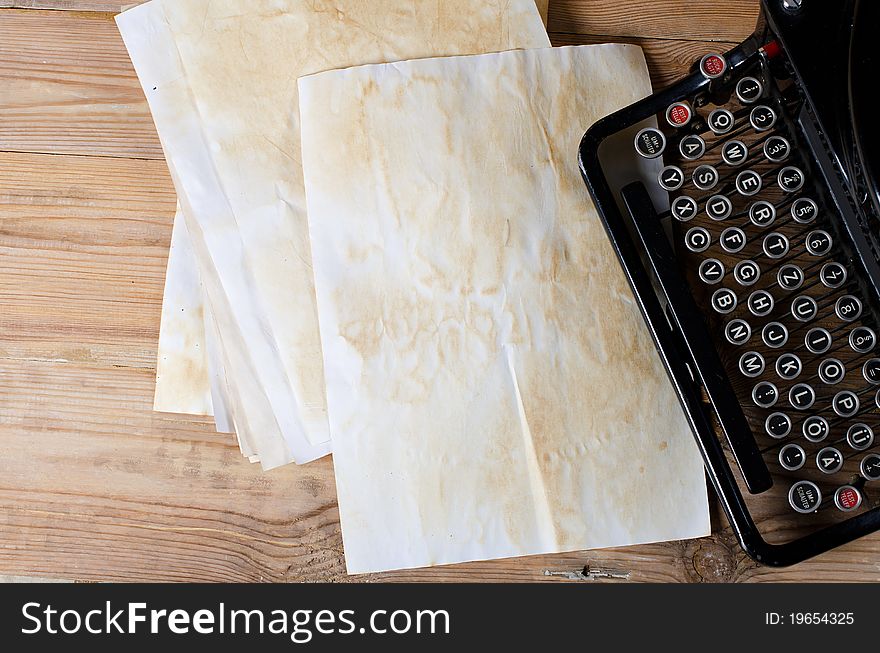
400, 259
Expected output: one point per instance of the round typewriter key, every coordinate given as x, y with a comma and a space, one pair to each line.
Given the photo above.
774, 335
705, 177
746, 273
737, 332
719, 207
870, 467
751, 364
818, 242
860, 436
711, 271
650, 143
792, 457
833, 275
877, 399
748, 183
671, 178
871, 371
829, 460
765, 394
790, 277
862, 339
713, 66
724, 300
790, 179
805, 497
801, 396
734, 153
778, 425
776, 149
788, 367
692, 147
684, 208
762, 118
848, 308
815, 428
775, 245
679, 114
831, 371
720, 121
697, 239
749, 90
845, 403
732, 240
804, 308
847, 498
762, 213
804, 210
818, 340
760, 303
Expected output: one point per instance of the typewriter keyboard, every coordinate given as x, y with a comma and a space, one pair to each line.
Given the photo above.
768, 262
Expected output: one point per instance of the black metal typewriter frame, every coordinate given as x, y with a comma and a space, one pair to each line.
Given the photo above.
644, 268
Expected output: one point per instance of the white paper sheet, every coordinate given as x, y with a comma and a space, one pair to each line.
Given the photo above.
492, 388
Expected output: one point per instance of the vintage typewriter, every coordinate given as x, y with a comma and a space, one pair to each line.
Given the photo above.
748, 224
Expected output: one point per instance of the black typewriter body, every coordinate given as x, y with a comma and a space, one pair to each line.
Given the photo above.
750, 234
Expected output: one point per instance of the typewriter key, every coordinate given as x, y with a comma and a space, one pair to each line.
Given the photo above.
697, 239
818, 340
862, 339
705, 177
749, 90
679, 114
774, 335
751, 364
746, 273
790, 277
829, 460
845, 403
790, 179
833, 275
671, 178
804, 308
719, 207
775, 245
720, 121
831, 371
713, 66
765, 394
848, 308
788, 367
692, 147
733, 153
818, 242
762, 213
684, 208
804, 210
860, 436
871, 371
776, 149
847, 498
748, 183
815, 428
805, 497
724, 300
711, 271
877, 399
801, 396
760, 303
732, 240
762, 118
737, 332
778, 425
870, 467
792, 457
650, 143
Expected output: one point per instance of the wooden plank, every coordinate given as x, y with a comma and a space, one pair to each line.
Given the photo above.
676, 19
69, 87
83, 248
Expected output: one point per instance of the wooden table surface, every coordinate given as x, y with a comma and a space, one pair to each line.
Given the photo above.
93, 484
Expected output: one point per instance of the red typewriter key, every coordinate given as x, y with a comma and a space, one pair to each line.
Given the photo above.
679, 114
847, 498
713, 66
